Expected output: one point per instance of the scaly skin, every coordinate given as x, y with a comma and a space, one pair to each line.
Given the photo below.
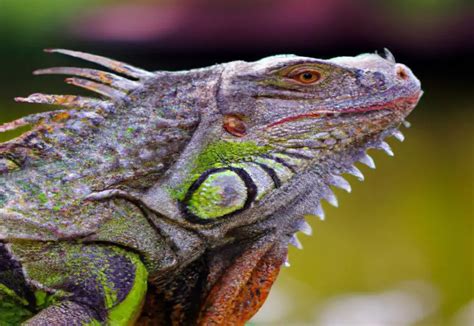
173, 199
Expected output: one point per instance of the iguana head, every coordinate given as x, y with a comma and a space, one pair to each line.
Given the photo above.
284, 130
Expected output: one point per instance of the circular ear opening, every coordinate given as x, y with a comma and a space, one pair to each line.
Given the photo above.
234, 125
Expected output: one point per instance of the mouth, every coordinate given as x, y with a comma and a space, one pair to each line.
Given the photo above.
404, 104
334, 177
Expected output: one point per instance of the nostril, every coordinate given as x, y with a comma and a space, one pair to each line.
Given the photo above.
402, 73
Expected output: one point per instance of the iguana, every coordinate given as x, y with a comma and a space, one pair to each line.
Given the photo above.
172, 199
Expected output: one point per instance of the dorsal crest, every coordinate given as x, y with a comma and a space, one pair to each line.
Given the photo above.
113, 87
109, 85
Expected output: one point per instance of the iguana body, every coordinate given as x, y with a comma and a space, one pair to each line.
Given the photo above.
174, 200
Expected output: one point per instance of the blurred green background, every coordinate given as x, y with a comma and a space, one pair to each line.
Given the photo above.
399, 250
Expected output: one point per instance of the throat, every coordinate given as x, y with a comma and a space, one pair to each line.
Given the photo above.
226, 284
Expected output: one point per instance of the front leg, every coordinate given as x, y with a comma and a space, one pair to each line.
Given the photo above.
90, 284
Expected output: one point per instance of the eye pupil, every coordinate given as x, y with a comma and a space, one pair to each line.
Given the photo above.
307, 76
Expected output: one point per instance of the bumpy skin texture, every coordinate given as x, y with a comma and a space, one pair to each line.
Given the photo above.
172, 200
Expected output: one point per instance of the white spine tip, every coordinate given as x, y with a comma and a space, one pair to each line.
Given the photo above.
340, 182
295, 242
356, 173
406, 124
386, 148
287, 262
319, 212
305, 228
398, 135
331, 198
367, 160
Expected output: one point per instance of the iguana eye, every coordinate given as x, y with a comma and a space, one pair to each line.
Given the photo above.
307, 76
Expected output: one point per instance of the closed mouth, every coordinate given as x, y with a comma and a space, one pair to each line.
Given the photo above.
401, 103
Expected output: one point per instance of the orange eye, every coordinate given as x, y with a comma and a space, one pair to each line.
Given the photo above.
307, 76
